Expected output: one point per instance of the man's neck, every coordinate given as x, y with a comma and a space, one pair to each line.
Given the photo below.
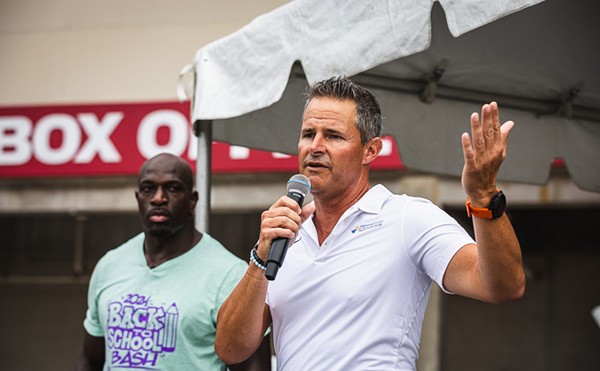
159, 249
329, 211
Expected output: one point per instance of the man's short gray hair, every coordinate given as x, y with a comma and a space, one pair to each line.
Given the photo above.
368, 113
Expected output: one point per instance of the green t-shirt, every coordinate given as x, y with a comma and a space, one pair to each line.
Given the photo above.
162, 318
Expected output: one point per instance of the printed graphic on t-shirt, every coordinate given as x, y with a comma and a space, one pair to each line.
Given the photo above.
139, 332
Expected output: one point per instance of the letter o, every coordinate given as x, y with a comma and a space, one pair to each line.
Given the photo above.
147, 343
147, 132
136, 343
44, 153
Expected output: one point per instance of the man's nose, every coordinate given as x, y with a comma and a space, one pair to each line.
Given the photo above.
318, 144
159, 196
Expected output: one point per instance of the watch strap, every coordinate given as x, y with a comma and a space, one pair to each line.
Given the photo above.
479, 212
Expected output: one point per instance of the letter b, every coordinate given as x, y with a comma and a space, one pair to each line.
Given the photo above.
15, 148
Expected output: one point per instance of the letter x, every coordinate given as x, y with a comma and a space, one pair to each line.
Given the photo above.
98, 141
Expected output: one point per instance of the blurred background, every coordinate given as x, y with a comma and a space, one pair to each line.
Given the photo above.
68, 64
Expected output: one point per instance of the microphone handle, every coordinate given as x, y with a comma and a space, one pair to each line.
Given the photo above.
280, 245
276, 256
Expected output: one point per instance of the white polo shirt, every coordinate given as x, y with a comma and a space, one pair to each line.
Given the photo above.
357, 302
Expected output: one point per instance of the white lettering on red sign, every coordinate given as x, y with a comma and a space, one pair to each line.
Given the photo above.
148, 133
386, 149
71, 140
99, 133
20, 140
45, 141
239, 153
180, 136
16, 147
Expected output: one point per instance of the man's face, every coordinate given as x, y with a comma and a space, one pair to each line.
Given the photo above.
165, 203
330, 152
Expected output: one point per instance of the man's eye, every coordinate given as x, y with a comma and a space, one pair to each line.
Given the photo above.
145, 189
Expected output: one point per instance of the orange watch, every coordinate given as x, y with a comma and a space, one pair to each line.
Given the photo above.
495, 210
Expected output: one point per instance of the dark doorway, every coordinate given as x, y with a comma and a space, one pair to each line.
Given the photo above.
45, 262
551, 328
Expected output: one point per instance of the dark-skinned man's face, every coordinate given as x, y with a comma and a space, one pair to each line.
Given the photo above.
165, 199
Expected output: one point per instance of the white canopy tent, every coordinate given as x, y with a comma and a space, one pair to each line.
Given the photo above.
429, 71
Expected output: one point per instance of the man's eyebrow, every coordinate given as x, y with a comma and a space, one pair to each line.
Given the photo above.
166, 183
175, 182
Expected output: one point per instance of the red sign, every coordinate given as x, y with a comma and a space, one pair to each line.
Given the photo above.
115, 139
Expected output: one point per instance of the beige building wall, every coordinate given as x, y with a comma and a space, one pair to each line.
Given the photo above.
90, 51
76, 51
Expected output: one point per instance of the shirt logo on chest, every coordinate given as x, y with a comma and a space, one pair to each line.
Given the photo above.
367, 226
138, 333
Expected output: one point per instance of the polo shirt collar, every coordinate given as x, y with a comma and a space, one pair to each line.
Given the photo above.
373, 200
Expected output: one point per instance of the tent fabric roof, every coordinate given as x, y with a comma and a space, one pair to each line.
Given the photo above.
249, 69
541, 64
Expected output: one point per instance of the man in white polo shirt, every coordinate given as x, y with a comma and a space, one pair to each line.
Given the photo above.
353, 291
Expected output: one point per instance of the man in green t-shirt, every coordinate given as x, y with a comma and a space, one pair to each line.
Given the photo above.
153, 301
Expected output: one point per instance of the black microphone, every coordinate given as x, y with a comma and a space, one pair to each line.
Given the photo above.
298, 187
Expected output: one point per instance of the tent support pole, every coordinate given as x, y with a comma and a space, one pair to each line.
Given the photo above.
203, 130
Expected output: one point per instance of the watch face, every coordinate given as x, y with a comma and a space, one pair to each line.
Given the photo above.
498, 205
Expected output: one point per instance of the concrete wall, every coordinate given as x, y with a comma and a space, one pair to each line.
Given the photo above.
75, 51
116, 194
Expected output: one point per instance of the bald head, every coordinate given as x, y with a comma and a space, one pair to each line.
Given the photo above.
171, 163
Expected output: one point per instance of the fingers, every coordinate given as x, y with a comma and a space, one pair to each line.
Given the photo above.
495, 129
490, 128
487, 135
477, 138
283, 219
490, 121
504, 132
467, 149
484, 150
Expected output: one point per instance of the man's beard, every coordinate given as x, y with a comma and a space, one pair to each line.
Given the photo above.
162, 230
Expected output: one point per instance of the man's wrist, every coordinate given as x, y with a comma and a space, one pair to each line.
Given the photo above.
494, 209
256, 260
482, 198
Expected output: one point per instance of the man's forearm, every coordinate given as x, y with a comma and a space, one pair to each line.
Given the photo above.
499, 258
242, 321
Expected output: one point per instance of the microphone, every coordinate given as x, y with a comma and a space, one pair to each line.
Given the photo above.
298, 187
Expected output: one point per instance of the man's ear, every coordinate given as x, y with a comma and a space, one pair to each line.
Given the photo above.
194, 197
372, 149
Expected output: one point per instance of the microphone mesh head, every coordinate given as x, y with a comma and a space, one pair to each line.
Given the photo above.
299, 183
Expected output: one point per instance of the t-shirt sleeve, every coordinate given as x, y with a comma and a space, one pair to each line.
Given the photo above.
432, 238
91, 323
230, 281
